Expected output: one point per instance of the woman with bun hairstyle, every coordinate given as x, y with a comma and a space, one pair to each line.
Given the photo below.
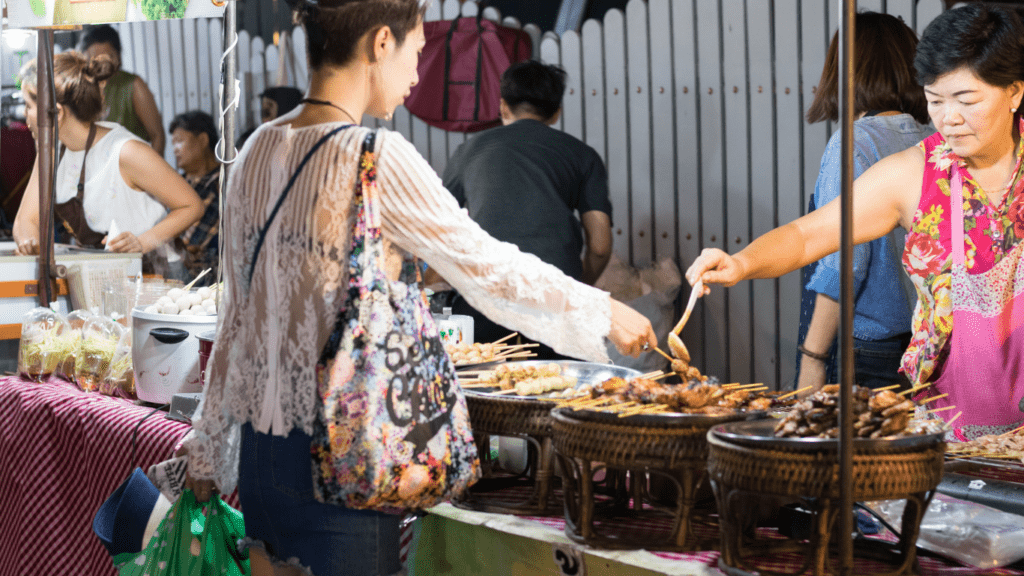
107, 179
255, 426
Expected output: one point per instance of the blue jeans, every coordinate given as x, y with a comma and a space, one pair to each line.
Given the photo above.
877, 362
275, 488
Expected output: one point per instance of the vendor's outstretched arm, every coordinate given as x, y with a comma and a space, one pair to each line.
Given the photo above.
885, 196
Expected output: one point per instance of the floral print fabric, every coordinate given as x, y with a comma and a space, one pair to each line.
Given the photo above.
394, 430
991, 230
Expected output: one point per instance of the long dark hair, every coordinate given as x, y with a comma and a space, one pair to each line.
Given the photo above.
884, 75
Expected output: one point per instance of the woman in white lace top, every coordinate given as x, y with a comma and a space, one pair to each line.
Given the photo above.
259, 405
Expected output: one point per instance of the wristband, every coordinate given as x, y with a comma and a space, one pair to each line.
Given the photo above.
815, 355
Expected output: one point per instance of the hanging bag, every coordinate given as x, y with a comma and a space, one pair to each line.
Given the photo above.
392, 429
190, 543
460, 72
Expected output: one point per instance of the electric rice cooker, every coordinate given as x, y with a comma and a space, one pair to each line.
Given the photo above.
165, 351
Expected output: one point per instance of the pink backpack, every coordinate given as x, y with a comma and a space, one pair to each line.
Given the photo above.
460, 73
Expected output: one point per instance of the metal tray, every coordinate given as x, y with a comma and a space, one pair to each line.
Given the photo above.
761, 434
585, 373
670, 419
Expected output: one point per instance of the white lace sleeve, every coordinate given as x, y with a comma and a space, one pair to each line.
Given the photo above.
214, 443
514, 289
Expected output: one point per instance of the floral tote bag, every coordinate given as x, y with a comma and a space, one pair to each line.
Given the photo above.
393, 432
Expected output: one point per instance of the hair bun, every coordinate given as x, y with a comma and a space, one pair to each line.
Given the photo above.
101, 67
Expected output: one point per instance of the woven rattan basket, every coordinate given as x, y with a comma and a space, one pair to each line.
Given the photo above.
528, 418
743, 475
639, 450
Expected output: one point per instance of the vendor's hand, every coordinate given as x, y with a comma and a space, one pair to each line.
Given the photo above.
125, 242
715, 267
203, 489
812, 373
631, 331
27, 247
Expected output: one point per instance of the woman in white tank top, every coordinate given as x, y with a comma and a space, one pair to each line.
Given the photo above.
107, 180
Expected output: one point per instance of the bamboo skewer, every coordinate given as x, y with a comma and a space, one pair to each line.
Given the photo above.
927, 400
744, 386
650, 375
662, 352
944, 408
196, 279
660, 376
794, 392
644, 409
1011, 432
950, 422
916, 388
512, 335
893, 387
730, 385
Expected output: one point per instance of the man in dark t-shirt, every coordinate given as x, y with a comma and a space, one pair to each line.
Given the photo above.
525, 183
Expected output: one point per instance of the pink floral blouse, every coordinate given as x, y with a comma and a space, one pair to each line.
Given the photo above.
990, 233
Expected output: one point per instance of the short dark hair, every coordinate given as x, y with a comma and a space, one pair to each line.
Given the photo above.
334, 27
533, 87
102, 34
884, 76
989, 40
287, 98
196, 122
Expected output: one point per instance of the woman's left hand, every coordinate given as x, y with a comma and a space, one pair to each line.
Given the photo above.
125, 242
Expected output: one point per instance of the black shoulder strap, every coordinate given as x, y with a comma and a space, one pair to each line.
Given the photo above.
284, 194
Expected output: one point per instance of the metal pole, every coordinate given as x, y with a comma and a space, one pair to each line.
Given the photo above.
46, 129
847, 32
228, 106
229, 103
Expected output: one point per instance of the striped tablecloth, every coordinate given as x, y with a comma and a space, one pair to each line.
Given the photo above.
62, 453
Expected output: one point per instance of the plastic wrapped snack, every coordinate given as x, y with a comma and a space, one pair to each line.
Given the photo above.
77, 320
46, 340
100, 339
971, 533
120, 379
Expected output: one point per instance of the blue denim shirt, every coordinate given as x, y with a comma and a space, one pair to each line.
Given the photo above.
883, 307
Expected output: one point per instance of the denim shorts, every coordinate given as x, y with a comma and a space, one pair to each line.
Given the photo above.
275, 489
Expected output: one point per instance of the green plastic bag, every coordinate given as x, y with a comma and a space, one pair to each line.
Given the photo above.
187, 543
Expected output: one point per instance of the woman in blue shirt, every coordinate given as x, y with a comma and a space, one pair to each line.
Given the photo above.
891, 116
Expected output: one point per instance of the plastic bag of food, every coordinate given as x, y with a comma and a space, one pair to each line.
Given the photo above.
77, 320
120, 379
46, 340
971, 533
100, 339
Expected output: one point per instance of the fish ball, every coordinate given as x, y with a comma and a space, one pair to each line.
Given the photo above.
171, 308
152, 310
175, 293
205, 293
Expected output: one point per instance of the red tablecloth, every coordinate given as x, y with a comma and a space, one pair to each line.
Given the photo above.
62, 453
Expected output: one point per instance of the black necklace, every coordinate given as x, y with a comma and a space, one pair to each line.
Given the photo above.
328, 103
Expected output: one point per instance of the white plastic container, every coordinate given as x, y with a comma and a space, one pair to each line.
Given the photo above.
165, 351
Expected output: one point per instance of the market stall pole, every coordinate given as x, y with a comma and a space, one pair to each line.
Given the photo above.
847, 24
46, 122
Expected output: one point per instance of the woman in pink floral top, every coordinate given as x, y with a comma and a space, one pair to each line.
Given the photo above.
960, 195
